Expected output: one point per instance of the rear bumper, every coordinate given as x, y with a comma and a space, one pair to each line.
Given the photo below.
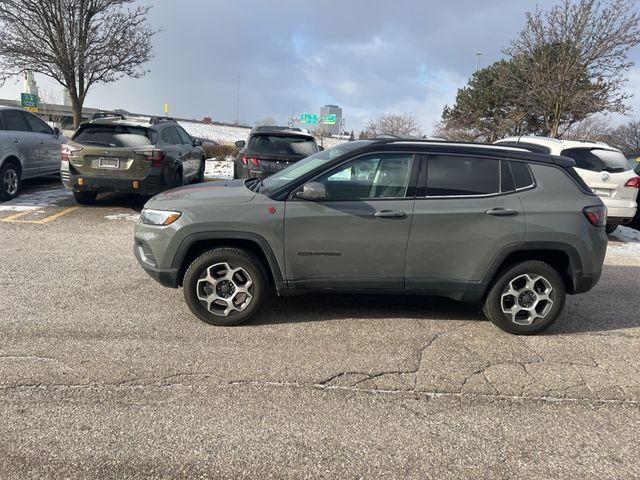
151, 184
620, 210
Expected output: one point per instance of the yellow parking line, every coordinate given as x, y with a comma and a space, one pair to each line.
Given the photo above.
50, 218
14, 217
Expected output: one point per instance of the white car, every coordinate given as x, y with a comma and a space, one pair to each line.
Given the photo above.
603, 168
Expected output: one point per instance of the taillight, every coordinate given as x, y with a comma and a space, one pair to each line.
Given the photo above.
633, 182
67, 151
254, 161
154, 156
597, 216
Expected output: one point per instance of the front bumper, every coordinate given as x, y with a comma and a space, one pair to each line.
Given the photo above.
165, 277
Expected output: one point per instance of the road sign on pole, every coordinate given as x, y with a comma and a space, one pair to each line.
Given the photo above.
330, 119
29, 102
308, 118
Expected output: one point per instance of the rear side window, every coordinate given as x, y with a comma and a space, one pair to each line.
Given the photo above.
598, 159
170, 136
521, 175
282, 145
462, 176
184, 136
15, 120
113, 136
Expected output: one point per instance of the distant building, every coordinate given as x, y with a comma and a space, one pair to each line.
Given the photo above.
29, 84
331, 110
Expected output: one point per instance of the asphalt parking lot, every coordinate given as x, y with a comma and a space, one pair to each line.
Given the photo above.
106, 374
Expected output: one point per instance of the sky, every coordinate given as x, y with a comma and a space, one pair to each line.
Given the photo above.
368, 56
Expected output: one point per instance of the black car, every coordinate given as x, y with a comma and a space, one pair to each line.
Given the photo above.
270, 149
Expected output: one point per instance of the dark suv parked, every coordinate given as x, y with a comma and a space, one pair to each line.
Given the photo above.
271, 149
119, 154
512, 229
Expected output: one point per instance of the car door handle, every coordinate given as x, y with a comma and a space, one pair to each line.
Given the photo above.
15, 140
390, 214
502, 212
41, 142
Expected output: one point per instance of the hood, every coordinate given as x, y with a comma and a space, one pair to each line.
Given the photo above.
221, 191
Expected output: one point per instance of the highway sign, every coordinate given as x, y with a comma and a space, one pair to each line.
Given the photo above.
330, 119
29, 102
308, 118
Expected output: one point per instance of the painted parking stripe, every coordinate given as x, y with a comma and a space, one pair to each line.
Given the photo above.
16, 218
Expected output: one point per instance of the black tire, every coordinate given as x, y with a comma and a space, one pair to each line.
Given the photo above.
85, 198
554, 287
252, 269
200, 178
610, 228
10, 181
178, 178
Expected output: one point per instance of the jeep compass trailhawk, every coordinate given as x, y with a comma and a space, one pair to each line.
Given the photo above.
130, 155
512, 229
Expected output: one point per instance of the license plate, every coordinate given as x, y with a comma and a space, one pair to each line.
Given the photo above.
601, 192
279, 165
108, 162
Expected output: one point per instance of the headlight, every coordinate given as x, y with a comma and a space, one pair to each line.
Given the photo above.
159, 217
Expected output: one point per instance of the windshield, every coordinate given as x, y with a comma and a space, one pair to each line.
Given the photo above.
306, 165
598, 159
282, 145
113, 136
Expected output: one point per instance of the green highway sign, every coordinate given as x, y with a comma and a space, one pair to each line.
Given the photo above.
330, 119
29, 101
308, 118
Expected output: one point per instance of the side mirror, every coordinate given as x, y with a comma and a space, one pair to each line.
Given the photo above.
313, 191
197, 142
56, 131
240, 143
320, 149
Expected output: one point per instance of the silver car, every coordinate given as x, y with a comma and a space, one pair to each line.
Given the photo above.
29, 148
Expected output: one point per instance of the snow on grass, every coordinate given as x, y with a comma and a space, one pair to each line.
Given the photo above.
624, 241
219, 133
215, 168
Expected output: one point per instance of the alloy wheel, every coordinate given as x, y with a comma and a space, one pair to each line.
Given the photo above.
10, 181
225, 290
527, 298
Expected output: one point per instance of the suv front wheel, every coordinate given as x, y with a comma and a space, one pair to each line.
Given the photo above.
525, 298
225, 286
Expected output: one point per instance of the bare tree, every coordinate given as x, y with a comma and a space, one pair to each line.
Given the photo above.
627, 137
78, 43
574, 58
393, 124
595, 128
446, 130
48, 99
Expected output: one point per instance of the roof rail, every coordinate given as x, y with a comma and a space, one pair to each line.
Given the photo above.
156, 120
99, 115
275, 127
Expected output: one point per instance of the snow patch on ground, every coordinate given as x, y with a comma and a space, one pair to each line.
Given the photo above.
123, 216
215, 168
219, 133
625, 241
37, 200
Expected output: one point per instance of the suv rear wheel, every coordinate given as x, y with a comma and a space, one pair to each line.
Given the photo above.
225, 286
9, 181
525, 298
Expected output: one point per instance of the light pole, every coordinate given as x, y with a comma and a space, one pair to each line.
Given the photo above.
478, 55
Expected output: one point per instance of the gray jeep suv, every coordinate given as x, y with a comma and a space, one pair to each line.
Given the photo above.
512, 229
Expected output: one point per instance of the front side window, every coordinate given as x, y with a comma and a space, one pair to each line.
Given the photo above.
451, 176
15, 121
38, 125
598, 159
384, 175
